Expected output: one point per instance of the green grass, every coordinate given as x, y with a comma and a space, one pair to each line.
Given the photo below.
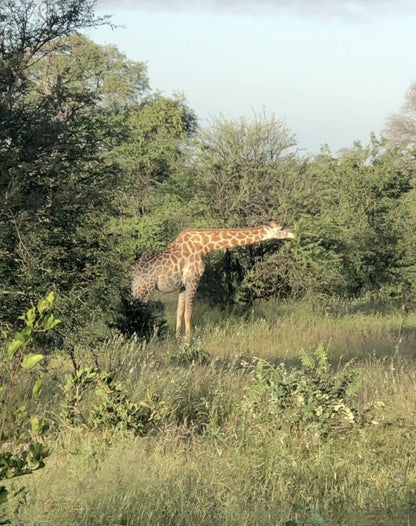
215, 460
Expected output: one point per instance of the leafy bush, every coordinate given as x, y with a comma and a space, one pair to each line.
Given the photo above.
21, 448
135, 318
111, 409
310, 397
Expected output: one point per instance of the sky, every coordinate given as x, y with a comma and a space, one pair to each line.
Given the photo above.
332, 70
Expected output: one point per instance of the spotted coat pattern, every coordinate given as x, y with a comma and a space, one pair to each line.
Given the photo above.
180, 266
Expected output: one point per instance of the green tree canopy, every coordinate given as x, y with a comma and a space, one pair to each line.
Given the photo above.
61, 112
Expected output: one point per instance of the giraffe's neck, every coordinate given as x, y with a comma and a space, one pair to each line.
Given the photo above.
206, 240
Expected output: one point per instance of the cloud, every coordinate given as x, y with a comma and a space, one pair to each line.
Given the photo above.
352, 9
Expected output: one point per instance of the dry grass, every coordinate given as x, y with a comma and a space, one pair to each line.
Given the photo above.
215, 461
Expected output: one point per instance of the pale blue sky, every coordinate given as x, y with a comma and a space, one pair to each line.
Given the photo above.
333, 70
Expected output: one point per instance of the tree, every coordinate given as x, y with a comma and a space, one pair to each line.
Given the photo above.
61, 115
84, 141
345, 210
348, 217
29, 31
78, 73
243, 165
153, 160
401, 127
151, 199
246, 170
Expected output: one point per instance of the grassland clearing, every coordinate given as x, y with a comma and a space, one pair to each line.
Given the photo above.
214, 457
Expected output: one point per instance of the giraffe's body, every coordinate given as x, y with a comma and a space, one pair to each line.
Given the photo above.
180, 266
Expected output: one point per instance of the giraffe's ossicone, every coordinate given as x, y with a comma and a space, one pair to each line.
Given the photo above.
180, 266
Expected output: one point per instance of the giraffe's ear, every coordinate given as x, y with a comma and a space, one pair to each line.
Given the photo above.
273, 224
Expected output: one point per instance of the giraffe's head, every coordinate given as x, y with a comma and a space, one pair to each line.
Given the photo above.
276, 231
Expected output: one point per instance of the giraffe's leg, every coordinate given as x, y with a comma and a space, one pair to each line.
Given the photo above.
179, 313
188, 315
189, 301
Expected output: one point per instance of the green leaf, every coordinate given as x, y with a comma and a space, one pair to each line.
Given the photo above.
31, 359
30, 317
20, 338
39, 451
42, 306
49, 323
307, 360
51, 297
37, 388
46, 303
38, 425
14, 346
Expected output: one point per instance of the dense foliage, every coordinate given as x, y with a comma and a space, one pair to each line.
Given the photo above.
22, 450
95, 168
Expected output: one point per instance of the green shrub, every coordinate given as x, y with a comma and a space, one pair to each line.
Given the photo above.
135, 318
21, 448
95, 401
310, 397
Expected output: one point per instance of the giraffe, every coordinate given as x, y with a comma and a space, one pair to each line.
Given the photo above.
180, 266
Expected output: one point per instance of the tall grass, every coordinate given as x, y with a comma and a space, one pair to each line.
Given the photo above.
279, 330
217, 460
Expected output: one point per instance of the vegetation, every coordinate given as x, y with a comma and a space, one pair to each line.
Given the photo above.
21, 449
294, 403
237, 436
